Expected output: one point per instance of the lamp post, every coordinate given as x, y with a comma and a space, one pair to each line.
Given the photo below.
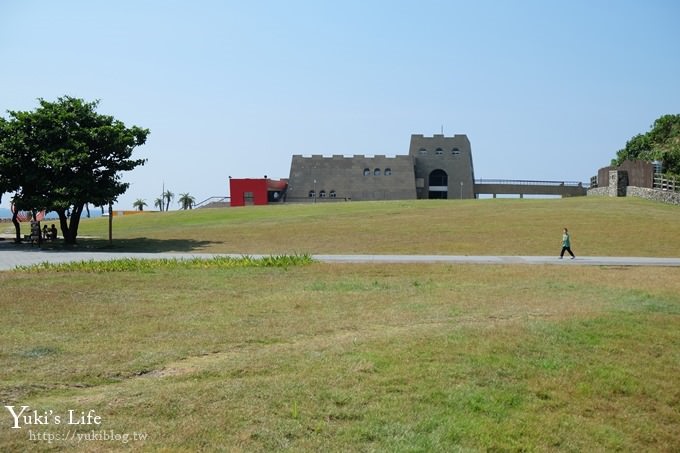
110, 223
461, 190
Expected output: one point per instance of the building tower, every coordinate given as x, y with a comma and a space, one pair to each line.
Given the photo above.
443, 166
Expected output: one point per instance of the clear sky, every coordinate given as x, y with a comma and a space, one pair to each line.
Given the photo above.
543, 89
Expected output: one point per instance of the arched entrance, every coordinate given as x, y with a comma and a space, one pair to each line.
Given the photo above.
438, 183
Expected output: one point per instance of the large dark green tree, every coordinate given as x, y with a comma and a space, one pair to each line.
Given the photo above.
63, 155
6, 183
16, 159
661, 143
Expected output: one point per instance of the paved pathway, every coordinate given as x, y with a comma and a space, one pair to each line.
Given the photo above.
10, 257
457, 259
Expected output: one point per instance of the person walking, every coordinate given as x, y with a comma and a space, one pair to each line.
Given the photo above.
566, 244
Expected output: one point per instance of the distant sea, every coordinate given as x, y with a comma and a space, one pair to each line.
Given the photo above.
94, 212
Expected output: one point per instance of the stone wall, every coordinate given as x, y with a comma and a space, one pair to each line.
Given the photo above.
656, 195
663, 196
616, 187
618, 182
598, 192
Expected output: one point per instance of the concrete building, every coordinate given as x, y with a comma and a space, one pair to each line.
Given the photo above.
436, 167
443, 166
638, 173
638, 179
256, 191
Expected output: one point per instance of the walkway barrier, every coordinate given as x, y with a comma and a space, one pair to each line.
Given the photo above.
523, 187
210, 200
669, 184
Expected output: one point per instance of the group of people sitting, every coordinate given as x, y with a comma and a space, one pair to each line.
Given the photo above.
46, 234
49, 234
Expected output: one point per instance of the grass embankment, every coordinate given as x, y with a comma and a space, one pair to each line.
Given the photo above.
347, 357
599, 227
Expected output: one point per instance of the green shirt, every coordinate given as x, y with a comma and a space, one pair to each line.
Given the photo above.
565, 240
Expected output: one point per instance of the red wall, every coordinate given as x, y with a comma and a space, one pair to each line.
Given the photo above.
239, 187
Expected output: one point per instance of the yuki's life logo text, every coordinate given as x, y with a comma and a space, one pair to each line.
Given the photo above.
25, 416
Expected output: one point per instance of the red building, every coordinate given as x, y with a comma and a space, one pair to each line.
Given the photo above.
250, 191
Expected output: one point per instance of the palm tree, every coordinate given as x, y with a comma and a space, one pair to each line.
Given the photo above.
186, 201
168, 196
139, 204
159, 204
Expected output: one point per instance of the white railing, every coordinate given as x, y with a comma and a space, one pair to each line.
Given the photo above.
668, 184
525, 182
212, 200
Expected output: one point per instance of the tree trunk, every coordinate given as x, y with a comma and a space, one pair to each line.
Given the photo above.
63, 224
17, 226
70, 229
75, 222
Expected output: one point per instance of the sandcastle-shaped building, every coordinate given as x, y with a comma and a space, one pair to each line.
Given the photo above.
435, 167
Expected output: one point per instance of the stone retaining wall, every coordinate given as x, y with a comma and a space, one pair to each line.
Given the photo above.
663, 196
656, 195
598, 192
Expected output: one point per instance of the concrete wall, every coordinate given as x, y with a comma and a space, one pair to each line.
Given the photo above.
356, 178
640, 173
453, 155
530, 189
256, 189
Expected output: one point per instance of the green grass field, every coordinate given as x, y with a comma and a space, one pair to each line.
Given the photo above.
599, 227
321, 357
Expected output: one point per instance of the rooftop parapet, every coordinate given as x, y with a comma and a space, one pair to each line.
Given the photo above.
343, 156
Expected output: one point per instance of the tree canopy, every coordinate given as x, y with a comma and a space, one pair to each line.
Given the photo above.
186, 201
139, 204
63, 155
661, 143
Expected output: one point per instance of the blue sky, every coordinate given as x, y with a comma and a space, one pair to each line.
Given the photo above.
543, 89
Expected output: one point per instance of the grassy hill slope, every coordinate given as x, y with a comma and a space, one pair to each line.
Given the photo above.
599, 227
